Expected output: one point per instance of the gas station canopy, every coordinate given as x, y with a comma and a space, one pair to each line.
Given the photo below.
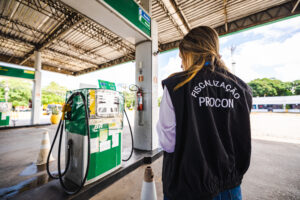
74, 44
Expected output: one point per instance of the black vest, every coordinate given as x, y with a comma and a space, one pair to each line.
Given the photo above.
213, 138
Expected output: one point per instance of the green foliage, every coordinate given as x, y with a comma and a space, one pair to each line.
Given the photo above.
297, 90
129, 99
2, 86
19, 91
296, 83
53, 93
272, 87
296, 87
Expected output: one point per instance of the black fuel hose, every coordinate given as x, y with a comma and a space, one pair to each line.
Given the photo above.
48, 158
70, 143
131, 138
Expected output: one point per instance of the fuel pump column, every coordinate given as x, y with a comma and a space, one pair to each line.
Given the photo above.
93, 122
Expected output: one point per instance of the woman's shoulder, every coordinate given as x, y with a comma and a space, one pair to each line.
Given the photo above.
241, 83
174, 78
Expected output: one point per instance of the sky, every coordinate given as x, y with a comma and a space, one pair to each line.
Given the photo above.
270, 51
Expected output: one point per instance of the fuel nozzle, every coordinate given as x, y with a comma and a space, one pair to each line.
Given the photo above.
66, 110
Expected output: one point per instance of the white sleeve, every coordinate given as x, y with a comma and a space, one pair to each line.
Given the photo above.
166, 125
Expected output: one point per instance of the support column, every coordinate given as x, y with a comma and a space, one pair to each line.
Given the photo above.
36, 92
145, 135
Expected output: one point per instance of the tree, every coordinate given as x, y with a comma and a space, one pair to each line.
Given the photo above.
261, 87
297, 90
19, 92
53, 93
296, 87
282, 88
2, 87
272, 87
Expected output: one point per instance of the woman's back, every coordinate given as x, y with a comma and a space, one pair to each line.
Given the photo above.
204, 123
213, 140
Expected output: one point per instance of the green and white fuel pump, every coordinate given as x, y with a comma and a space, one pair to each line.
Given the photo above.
4, 113
93, 122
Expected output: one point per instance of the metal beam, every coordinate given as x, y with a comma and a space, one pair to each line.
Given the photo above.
268, 15
169, 15
170, 45
97, 33
17, 26
180, 14
225, 14
47, 39
295, 6
65, 26
70, 19
10, 48
69, 63
117, 61
75, 48
70, 55
51, 8
16, 38
79, 49
30, 63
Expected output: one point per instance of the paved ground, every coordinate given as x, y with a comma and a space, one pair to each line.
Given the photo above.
274, 170
274, 174
19, 151
23, 118
276, 126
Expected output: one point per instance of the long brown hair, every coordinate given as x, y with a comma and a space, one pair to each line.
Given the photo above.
200, 45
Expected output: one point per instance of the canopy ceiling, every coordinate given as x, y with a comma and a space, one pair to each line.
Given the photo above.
73, 44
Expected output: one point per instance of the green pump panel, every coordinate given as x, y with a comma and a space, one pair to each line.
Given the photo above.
105, 118
4, 113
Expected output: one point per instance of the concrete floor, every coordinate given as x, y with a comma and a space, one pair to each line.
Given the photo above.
283, 127
19, 149
23, 118
274, 171
274, 174
129, 187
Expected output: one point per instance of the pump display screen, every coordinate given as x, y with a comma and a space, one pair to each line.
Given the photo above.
107, 103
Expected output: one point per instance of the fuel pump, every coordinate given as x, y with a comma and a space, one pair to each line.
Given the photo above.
93, 122
5, 108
